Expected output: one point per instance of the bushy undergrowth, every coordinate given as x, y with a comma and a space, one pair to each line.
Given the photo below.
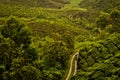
100, 60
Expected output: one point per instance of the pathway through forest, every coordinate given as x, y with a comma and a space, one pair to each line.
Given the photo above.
71, 65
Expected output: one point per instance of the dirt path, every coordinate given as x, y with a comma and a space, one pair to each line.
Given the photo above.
75, 70
71, 65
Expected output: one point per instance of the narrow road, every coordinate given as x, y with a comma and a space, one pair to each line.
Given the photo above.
71, 66
76, 59
75, 70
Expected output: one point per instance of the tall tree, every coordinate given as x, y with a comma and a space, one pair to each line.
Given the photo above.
57, 55
17, 40
16, 31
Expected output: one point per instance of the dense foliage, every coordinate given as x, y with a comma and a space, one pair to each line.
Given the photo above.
15, 47
19, 55
100, 60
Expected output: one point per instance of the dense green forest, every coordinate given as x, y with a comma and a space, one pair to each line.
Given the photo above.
38, 39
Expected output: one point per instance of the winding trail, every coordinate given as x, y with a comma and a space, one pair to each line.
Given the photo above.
75, 70
71, 66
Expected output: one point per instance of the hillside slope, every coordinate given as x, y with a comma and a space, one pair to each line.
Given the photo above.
104, 5
37, 3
